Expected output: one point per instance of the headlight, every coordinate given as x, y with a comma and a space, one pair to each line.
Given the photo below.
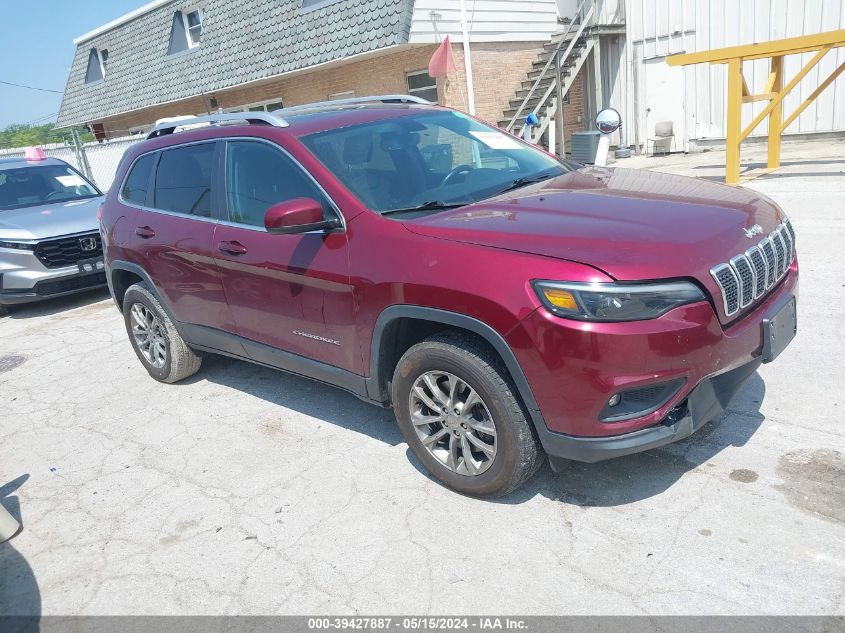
615, 302
22, 246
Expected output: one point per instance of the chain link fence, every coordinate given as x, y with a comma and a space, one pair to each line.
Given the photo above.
98, 161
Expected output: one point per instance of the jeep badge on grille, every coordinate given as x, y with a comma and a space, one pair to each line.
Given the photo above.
753, 230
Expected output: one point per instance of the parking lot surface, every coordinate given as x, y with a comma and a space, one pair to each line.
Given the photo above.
248, 491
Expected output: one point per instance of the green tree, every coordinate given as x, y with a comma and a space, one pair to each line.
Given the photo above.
21, 135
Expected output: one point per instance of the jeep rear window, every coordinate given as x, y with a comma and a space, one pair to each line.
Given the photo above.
422, 158
183, 180
138, 180
31, 186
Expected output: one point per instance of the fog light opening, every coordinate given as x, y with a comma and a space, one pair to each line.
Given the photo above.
639, 401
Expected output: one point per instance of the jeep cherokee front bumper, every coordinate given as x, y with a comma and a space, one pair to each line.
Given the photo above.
575, 369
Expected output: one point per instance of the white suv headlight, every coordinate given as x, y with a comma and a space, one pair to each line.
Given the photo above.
21, 246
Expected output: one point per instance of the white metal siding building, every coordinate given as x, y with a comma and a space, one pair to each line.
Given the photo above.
638, 82
489, 20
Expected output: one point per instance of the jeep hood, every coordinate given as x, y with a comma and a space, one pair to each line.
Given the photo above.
50, 220
632, 224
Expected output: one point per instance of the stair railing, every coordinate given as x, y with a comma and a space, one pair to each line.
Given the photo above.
555, 58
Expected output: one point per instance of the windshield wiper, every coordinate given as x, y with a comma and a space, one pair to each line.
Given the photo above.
431, 205
525, 180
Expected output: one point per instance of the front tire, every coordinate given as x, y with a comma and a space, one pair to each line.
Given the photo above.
157, 343
455, 405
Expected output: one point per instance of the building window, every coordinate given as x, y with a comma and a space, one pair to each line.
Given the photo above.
186, 32
193, 25
261, 106
309, 5
421, 84
96, 70
346, 94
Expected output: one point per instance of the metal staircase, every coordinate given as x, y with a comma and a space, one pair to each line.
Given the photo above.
539, 92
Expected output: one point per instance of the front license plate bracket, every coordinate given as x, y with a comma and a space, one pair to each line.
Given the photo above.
779, 328
93, 265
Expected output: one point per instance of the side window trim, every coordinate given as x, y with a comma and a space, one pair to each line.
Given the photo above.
151, 182
224, 199
219, 206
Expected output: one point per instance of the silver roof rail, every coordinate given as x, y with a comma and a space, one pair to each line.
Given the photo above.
260, 118
336, 103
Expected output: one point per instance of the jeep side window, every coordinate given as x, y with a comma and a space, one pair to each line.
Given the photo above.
183, 180
138, 180
258, 176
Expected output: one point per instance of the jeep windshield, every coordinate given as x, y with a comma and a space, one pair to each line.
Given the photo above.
429, 161
30, 186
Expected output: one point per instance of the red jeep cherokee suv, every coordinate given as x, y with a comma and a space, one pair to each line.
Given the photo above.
505, 303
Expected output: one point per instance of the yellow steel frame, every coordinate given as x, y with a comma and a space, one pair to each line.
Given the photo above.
774, 91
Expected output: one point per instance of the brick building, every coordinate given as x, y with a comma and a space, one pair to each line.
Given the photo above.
178, 57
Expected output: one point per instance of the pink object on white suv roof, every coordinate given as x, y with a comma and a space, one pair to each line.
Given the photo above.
34, 154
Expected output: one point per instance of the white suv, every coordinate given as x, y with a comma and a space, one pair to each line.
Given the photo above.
49, 238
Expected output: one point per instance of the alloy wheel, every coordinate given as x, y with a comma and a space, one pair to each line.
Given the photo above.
149, 335
453, 423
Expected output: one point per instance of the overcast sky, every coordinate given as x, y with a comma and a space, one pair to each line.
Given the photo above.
36, 49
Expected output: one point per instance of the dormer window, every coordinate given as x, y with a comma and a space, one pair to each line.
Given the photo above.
186, 32
96, 70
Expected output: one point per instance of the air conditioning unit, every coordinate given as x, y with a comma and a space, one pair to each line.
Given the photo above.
584, 145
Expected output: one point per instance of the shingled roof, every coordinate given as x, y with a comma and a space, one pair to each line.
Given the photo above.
242, 41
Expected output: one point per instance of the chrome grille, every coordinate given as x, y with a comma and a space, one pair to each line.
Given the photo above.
728, 282
780, 252
787, 242
750, 275
758, 261
771, 267
789, 228
743, 270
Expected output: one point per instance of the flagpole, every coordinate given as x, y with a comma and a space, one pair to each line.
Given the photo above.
467, 58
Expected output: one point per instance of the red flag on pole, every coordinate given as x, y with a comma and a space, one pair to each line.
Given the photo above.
443, 61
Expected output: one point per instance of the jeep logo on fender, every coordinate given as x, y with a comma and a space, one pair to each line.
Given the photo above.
88, 243
752, 231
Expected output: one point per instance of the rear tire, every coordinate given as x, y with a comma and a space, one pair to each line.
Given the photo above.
4, 310
157, 343
452, 396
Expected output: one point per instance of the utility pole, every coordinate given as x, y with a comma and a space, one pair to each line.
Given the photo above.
561, 140
467, 58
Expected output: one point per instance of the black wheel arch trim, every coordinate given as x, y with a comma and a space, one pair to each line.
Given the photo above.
129, 267
375, 386
137, 270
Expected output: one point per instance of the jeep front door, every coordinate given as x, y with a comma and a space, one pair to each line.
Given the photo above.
289, 292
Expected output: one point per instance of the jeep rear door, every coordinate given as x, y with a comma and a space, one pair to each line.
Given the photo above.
289, 292
173, 236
